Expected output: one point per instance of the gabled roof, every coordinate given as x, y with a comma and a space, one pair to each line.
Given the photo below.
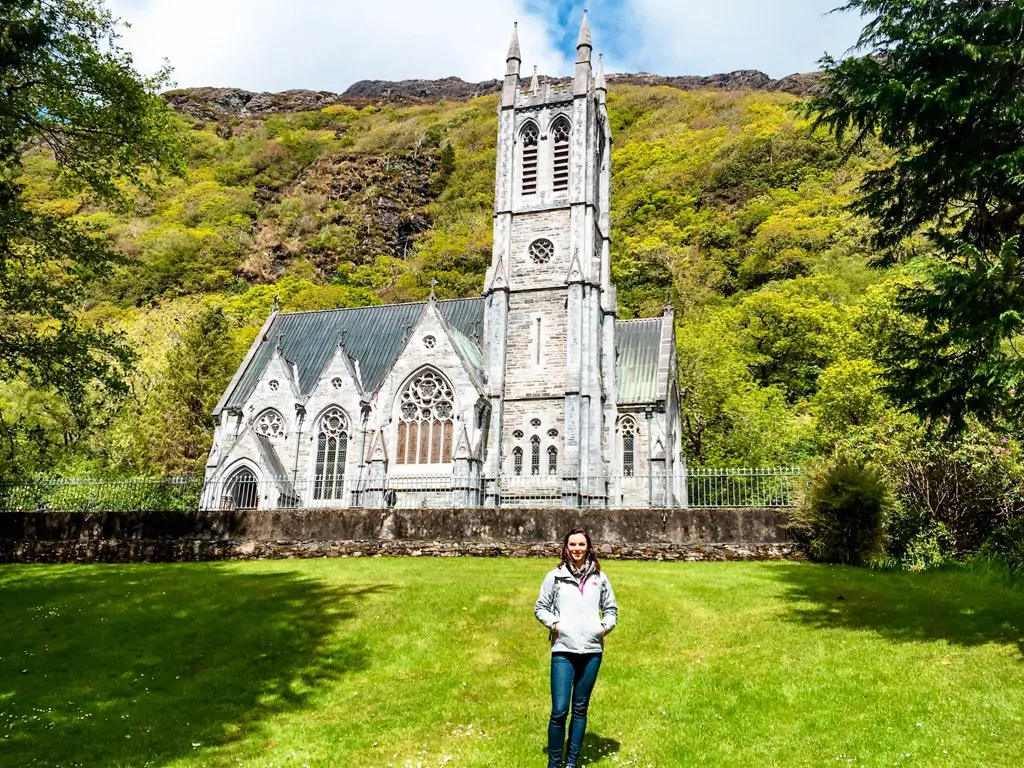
638, 359
373, 338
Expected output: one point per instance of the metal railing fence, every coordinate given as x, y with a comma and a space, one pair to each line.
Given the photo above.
90, 494
742, 486
699, 487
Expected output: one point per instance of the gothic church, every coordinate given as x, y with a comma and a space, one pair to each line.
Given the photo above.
533, 394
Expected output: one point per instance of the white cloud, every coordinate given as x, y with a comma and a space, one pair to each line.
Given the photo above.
268, 45
779, 37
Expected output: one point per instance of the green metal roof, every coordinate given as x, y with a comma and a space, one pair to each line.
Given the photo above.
637, 348
373, 337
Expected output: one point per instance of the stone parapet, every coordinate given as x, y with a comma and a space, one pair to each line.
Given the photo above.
169, 551
158, 536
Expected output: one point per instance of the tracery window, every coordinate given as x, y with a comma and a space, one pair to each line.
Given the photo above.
534, 455
552, 460
529, 138
270, 423
541, 251
560, 132
517, 462
628, 429
331, 453
242, 489
427, 421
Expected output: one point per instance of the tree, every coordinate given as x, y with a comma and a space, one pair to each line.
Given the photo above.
198, 368
67, 88
941, 84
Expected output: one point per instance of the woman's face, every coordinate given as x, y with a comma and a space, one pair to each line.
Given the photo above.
577, 548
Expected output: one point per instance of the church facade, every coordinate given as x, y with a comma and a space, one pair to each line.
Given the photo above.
533, 394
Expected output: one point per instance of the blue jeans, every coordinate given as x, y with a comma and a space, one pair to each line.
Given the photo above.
572, 679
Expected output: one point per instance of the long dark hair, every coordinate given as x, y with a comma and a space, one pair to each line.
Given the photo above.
589, 557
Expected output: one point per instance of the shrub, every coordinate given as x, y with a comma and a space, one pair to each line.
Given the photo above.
1007, 544
844, 511
928, 548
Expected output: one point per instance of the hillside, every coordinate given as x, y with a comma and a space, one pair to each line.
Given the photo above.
722, 199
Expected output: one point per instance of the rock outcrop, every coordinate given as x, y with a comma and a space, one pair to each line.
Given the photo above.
217, 103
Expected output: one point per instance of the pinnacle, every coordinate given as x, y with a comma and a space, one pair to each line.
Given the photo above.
584, 38
599, 83
513, 48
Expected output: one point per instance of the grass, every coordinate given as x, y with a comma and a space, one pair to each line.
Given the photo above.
377, 662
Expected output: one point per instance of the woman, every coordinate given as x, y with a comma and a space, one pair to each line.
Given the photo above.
578, 606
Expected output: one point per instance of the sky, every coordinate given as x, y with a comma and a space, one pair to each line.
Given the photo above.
271, 45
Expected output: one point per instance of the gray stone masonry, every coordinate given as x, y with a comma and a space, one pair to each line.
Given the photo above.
646, 534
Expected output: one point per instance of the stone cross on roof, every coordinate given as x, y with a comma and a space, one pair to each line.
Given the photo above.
433, 285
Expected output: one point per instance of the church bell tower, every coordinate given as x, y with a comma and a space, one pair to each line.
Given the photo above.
550, 305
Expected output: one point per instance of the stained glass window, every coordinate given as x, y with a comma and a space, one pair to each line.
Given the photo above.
628, 429
331, 453
426, 423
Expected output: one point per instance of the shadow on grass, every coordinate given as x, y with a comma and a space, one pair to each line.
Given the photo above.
594, 748
133, 665
951, 605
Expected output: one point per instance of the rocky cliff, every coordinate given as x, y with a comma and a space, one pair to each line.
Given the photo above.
213, 103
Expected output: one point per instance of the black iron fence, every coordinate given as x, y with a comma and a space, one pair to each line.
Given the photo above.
707, 487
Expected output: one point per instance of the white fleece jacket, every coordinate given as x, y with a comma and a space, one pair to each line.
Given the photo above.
581, 611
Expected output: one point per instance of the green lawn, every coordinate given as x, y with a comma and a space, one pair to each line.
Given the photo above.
414, 662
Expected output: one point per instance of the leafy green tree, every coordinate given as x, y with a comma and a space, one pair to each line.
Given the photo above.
67, 89
198, 368
726, 417
849, 395
941, 84
791, 336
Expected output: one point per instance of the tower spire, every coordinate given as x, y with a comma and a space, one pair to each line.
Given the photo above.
513, 48
514, 58
583, 44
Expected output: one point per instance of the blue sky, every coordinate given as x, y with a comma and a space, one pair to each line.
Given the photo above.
329, 44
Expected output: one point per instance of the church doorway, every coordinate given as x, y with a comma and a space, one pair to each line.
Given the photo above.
242, 490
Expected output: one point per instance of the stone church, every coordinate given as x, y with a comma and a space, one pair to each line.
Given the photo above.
533, 394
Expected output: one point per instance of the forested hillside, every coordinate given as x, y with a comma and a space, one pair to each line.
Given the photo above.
723, 202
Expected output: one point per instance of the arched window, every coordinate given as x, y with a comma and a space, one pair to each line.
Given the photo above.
242, 489
517, 462
425, 429
534, 455
628, 430
331, 452
560, 133
552, 460
529, 138
270, 423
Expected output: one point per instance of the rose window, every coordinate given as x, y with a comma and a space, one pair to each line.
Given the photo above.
541, 251
429, 342
270, 424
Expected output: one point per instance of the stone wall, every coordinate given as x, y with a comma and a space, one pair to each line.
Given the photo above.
154, 536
